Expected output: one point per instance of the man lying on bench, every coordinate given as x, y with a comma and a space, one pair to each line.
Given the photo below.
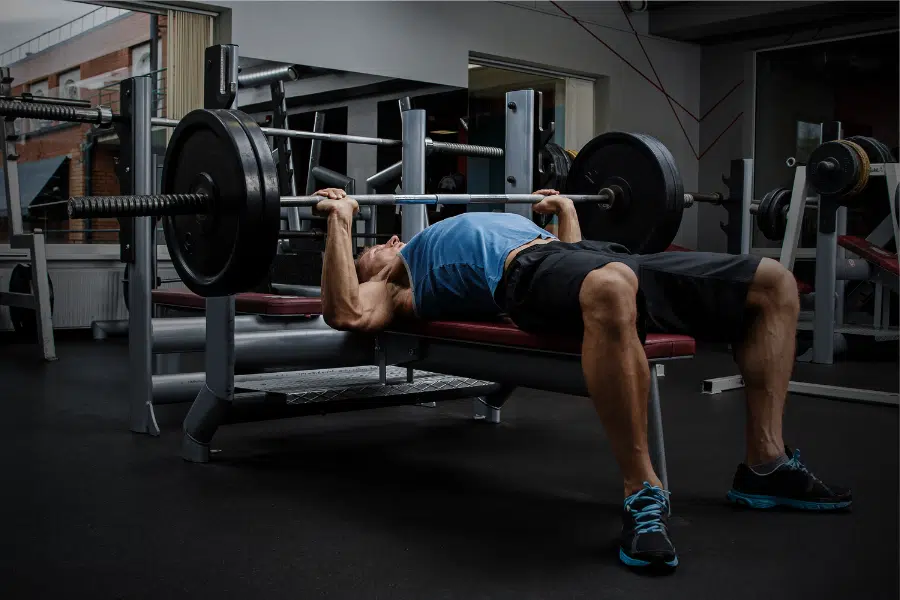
479, 265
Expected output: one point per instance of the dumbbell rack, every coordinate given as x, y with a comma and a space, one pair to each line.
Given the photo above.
39, 299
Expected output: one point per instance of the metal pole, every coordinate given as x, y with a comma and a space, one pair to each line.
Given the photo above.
137, 91
519, 146
655, 430
154, 63
413, 170
826, 283
268, 76
791, 241
746, 199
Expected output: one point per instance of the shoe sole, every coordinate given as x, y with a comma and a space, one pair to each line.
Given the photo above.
636, 562
760, 501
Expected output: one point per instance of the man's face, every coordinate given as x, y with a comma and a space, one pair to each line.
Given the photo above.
378, 257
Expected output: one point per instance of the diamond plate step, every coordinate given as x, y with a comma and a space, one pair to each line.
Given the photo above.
354, 383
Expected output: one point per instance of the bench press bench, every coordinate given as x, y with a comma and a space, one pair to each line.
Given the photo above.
496, 352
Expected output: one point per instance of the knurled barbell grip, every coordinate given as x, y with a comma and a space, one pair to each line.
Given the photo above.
164, 205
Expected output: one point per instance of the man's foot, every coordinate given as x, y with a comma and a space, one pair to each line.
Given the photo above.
645, 532
790, 485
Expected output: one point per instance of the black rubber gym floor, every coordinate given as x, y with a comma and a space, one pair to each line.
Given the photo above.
422, 503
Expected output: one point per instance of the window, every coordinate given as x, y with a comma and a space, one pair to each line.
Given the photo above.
68, 85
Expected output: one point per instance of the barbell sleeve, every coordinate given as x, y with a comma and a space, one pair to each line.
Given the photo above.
55, 112
161, 205
713, 198
266, 76
463, 149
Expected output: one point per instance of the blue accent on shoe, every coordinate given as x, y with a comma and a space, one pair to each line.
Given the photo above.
649, 517
761, 501
634, 562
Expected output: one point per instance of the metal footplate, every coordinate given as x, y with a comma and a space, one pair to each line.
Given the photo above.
327, 386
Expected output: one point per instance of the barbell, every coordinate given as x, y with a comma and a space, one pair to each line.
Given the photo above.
222, 207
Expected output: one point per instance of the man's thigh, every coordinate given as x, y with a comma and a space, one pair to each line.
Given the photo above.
543, 287
701, 294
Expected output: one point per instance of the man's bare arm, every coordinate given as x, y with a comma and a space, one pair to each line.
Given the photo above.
564, 209
346, 304
569, 228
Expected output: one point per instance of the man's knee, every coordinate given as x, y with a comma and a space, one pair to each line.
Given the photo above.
774, 288
608, 297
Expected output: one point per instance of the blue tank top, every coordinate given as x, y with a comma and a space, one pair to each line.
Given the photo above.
455, 265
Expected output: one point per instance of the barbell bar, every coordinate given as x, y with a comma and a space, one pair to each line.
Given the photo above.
168, 205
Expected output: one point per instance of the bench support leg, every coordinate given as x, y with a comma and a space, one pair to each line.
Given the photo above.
210, 408
655, 431
487, 408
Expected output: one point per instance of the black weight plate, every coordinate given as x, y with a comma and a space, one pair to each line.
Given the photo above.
262, 252
886, 155
556, 166
207, 250
24, 320
871, 146
763, 211
778, 212
648, 218
840, 180
668, 163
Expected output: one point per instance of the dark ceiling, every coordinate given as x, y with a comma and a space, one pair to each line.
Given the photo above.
720, 22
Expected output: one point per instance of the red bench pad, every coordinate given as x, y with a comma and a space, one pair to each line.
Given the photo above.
870, 252
507, 334
250, 303
502, 333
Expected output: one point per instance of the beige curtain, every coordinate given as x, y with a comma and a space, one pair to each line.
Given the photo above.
187, 38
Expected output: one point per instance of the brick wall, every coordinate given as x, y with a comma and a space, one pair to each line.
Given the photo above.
68, 141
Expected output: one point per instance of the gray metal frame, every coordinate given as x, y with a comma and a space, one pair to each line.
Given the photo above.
519, 148
137, 93
414, 218
39, 298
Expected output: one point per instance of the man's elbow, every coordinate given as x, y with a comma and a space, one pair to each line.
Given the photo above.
349, 323
340, 322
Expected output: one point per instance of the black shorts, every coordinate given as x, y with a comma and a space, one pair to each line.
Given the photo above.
700, 294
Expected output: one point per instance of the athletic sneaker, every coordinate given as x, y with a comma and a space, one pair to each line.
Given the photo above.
791, 485
645, 531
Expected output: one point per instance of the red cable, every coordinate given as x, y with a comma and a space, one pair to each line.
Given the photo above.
708, 148
659, 79
659, 87
622, 58
712, 108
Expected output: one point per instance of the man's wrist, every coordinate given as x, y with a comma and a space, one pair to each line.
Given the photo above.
340, 218
565, 207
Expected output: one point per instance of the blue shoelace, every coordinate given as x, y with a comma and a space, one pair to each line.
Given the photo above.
649, 517
795, 464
